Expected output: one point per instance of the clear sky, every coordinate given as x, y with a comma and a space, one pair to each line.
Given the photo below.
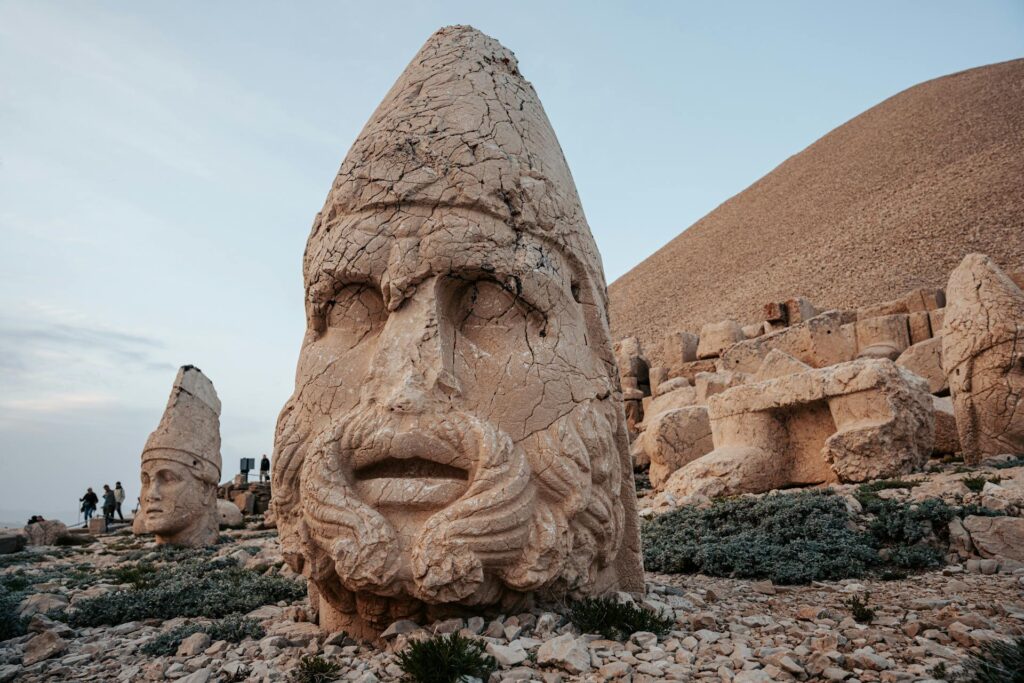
161, 163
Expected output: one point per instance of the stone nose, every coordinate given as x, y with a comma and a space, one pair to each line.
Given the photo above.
413, 366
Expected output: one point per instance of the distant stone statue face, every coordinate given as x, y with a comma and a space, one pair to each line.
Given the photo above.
454, 438
181, 466
174, 503
983, 357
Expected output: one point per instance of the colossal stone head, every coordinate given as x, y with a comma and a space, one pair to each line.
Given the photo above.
983, 357
455, 437
181, 466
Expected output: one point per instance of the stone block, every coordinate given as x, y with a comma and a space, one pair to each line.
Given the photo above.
777, 364
936, 319
680, 347
860, 420
947, 440
885, 336
717, 337
920, 327
799, 309
708, 384
924, 359
673, 438
819, 342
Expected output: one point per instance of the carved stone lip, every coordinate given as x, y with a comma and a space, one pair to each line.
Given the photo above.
411, 469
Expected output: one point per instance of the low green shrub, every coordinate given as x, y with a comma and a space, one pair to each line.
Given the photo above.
1015, 462
997, 662
233, 629
859, 609
789, 538
976, 484
138, 575
445, 659
11, 625
615, 620
315, 669
196, 588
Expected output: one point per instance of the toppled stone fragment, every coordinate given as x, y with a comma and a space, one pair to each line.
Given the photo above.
983, 356
455, 438
45, 532
181, 466
884, 336
821, 341
856, 421
717, 337
924, 359
998, 537
671, 439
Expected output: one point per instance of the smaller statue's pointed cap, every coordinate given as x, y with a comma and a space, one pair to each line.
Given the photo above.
984, 307
189, 431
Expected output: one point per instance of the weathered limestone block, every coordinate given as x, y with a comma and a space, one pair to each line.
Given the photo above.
680, 397
228, 514
673, 438
456, 440
692, 369
708, 384
755, 330
856, 421
778, 364
657, 375
936, 320
629, 356
947, 440
1001, 537
920, 326
717, 337
885, 336
924, 359
670, 385
12, 541
819, 342
680, 347
924, 299
45, 533
983, 357
799, 309
181, 466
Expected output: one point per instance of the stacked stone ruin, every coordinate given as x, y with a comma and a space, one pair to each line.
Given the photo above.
807, 397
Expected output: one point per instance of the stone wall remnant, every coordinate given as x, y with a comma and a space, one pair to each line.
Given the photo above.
983, 357
456, 439
181, 466
851, 422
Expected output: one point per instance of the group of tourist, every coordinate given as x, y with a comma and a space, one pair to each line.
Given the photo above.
112, 499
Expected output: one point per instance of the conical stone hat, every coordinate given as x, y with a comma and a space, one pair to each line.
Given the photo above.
189, 431
460, 129
984, 308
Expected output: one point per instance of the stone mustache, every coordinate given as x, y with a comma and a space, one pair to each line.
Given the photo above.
456, 438
181, 466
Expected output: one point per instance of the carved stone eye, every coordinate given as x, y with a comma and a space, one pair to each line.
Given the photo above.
354, 313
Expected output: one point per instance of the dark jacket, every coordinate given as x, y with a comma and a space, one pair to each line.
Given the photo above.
108, 500
265, 465
90, 499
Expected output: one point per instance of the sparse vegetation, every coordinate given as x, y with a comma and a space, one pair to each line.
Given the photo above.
445, 659
615, 620
233, 629
315, 669
976, 484
11, 625
1017, 461
789, 538
859, 609
195, 588
997, 662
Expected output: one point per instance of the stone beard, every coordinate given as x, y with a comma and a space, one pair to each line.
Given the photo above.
175, 505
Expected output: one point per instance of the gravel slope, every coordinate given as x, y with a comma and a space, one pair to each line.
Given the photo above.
889, 201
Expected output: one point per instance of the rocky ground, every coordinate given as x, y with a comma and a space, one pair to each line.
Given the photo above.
725, 629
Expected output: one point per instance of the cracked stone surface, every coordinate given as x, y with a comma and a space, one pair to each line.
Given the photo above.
456, 437
983, 357
181, 466
850, 422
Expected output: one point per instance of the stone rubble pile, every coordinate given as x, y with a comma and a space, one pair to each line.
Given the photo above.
815, 397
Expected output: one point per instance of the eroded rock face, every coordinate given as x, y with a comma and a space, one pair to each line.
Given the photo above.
181, 466
455, 438
861, 420
983, 357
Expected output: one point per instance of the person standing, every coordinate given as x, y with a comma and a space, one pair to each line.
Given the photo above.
109, 504
118, 499
89, 502
265, 468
